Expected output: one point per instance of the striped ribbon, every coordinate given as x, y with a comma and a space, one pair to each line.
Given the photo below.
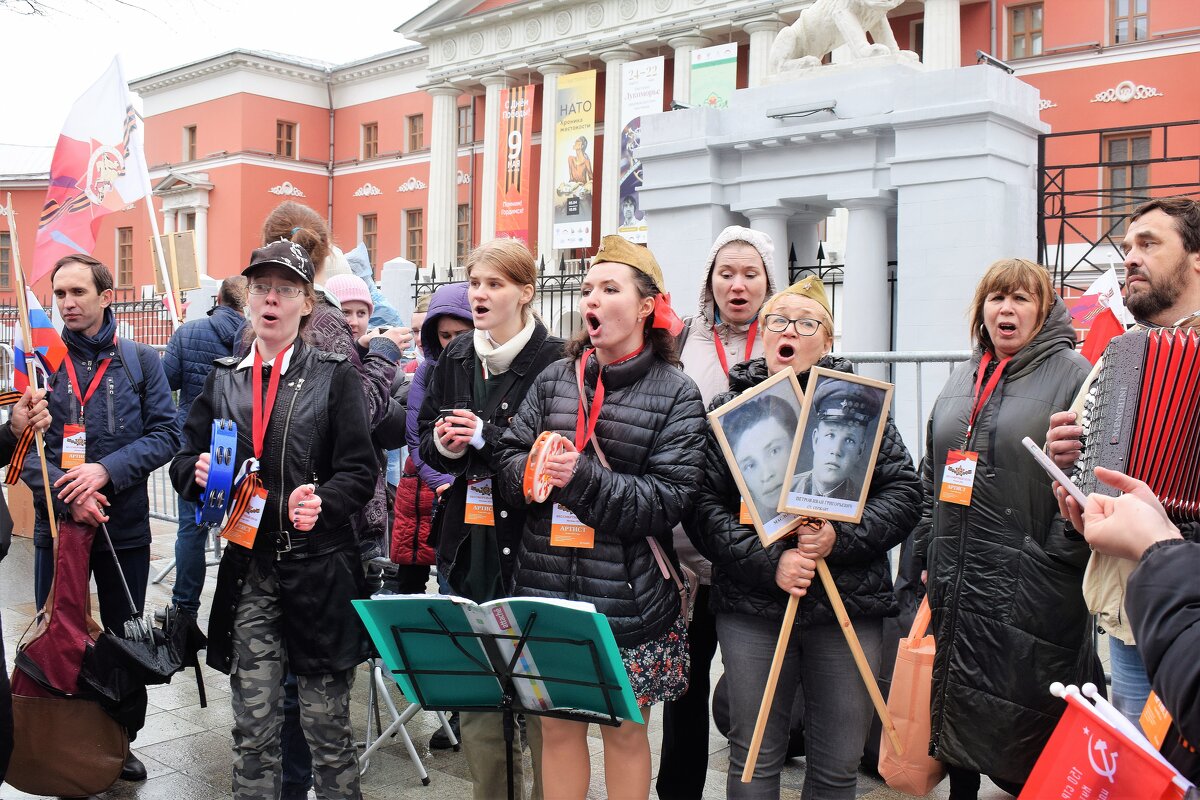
17, 462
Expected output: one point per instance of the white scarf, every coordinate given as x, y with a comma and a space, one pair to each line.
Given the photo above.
497, 358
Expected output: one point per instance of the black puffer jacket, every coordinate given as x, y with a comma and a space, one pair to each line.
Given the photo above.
744, 571
477, 560
651, 429
1005, 584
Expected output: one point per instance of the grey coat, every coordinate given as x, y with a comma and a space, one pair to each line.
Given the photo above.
1005, 584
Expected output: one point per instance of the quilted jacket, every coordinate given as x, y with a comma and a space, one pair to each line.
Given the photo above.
194, 347
651, 429
1005, 582
744, 571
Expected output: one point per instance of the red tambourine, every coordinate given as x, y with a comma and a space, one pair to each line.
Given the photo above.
537, 483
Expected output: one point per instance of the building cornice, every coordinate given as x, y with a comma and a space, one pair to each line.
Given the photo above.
226, 62
1095, 55
410, 58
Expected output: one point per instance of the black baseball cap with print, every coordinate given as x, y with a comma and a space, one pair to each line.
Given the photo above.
282, 253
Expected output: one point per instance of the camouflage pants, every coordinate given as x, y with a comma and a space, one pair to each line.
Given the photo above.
256, 683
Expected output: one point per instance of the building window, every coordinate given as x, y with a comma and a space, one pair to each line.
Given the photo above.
370, 235
5, 261
187, 221
416, 132
124, 257
1025, 31
1125, 182
285, 139
370, 140
917, 39
414, 231
466, 125
189, 143
463, 241
1129, 20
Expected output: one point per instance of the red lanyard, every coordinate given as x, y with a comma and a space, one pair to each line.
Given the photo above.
96, 379
585, 424
981, 400
262, 417
751, 335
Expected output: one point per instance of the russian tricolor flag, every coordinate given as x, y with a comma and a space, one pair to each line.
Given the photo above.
47, 345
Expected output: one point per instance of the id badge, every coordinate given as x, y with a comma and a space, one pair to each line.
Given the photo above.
245, 529
74, 446
567, 531
479, 503
1155, 720
744, 517
958, 478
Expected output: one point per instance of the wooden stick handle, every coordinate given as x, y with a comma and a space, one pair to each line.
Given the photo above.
860, 658
764, 709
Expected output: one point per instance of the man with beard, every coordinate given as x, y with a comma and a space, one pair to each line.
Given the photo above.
1162, 290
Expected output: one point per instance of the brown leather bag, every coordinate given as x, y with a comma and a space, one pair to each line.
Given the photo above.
63, 743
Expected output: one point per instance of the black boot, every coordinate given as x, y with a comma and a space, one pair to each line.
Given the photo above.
439, 740
134, 769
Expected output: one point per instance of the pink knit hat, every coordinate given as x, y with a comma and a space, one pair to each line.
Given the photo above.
349, 288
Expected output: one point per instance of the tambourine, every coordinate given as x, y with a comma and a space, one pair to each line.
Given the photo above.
537, 483
217, 495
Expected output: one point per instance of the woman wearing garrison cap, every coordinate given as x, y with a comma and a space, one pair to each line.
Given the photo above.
751, 584
635, 438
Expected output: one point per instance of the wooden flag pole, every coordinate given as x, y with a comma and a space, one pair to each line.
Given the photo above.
30, 358
860, 659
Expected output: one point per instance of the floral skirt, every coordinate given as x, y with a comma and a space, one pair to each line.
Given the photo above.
658, 668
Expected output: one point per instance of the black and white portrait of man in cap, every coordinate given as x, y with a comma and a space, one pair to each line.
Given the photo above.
840, 434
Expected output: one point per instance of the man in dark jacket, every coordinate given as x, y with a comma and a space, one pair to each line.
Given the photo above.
188, 360
110, 401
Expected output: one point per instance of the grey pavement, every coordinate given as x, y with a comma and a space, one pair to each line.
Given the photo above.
186, 748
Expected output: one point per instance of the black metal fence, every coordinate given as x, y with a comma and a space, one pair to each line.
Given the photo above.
556, 299
143, 320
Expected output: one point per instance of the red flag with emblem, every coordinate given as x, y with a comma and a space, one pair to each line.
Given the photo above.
98, 168
1088, 757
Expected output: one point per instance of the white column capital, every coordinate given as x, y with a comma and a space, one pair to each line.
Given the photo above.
555, 68
443, 90
765, 213
771, 23
619, 55
502, 79
691, 39
877, 199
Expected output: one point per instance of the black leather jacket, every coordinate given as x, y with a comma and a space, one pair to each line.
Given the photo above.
318, 433
651, 429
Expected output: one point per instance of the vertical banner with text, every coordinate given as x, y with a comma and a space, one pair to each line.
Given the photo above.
574, 145
641, 93
714, 75
512, 182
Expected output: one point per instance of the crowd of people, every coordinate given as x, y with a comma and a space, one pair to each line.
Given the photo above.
351, 454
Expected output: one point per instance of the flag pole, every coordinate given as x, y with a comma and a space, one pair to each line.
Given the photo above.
30, 357
172, 299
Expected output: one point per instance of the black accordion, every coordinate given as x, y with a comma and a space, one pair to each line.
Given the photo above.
1142, 417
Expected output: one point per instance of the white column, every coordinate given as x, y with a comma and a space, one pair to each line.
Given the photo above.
202, 239
545, 240
774, 223
684, 44
610, 180
441, 226
805, 237
168, 221
943, 31
492, 150
866, 307
762, 35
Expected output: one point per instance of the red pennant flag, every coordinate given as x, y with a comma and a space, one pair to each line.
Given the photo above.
1105, 327
1087, 757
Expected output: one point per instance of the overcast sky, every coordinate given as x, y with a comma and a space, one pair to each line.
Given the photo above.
50, 60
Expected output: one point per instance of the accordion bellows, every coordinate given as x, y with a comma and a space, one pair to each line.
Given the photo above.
1142, 417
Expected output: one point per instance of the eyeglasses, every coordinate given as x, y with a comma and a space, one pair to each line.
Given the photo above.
283, 290
777, 323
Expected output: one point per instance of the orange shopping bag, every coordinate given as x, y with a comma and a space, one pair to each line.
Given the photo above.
915, 772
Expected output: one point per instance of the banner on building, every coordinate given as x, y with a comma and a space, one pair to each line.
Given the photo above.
641, 93
512, 183
714, 75
574, 145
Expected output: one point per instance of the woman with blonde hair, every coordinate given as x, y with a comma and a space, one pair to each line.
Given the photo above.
473, 393
1004, 582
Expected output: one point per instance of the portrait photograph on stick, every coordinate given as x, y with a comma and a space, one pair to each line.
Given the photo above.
841, 425
756, 432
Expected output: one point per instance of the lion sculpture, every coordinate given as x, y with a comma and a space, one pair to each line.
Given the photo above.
829, 24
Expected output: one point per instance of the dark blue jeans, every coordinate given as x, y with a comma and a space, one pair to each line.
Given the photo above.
838, 708
189, 558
